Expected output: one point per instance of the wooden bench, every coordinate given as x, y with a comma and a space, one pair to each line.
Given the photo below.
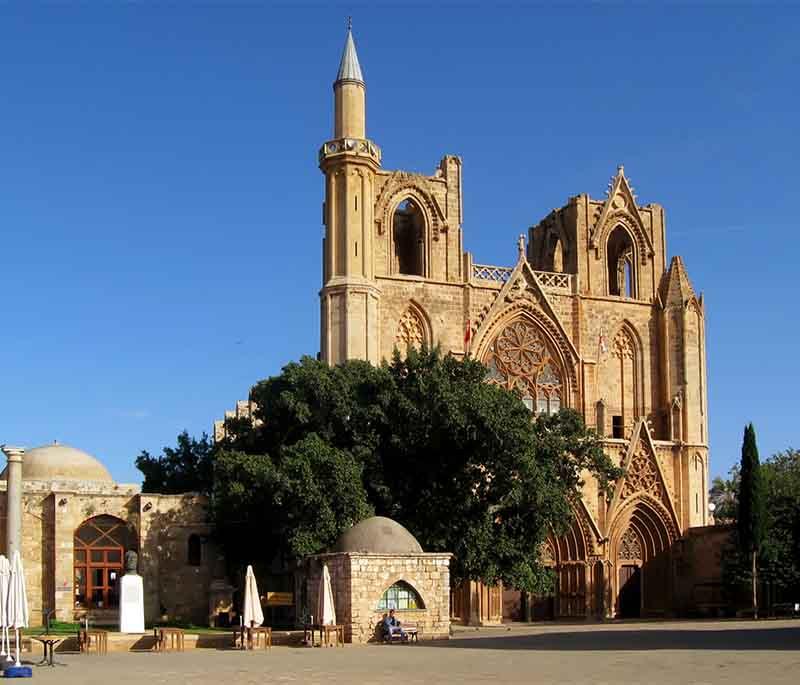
411, 631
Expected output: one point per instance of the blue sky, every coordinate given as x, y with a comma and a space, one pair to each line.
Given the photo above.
160, 199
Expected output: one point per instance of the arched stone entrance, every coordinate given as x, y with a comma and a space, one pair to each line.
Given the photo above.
100, 544
641, 553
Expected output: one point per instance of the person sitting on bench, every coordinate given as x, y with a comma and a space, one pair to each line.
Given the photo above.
391, 626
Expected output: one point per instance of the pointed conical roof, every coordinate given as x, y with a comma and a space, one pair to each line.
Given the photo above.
678, 288
349, 68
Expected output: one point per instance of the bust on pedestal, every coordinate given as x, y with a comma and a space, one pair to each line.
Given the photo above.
131, 597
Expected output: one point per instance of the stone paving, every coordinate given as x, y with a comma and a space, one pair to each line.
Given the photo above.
725, 652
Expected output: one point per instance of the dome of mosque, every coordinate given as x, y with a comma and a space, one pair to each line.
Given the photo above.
61, 462
378, 535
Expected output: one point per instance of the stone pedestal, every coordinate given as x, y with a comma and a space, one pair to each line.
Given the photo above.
131, 604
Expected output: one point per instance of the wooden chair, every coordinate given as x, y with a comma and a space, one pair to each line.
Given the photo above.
256, 635
337, 632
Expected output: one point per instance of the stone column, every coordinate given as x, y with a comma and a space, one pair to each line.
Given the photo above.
13, 500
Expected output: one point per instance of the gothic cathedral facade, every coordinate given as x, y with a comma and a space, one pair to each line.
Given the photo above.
589, 317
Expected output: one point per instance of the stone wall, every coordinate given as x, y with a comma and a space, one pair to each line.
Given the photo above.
698, 578
359, 581
53, 510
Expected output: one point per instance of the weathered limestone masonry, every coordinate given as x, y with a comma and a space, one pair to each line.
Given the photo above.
66, 492
589, 316
360, 579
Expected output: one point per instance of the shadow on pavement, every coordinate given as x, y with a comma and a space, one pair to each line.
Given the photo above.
634, 640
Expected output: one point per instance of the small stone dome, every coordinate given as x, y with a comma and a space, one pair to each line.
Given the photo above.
61, 462
378, 535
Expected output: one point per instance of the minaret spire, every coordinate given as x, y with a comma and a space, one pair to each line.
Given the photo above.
350, 295
349, 68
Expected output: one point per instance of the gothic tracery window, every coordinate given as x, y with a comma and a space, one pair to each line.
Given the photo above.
630, 547
520, 359
410, 330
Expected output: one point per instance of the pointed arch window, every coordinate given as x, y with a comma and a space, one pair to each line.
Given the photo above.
558, 255
408, 236
520, 359
621, 267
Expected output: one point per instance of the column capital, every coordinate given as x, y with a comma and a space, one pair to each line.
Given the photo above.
12, 453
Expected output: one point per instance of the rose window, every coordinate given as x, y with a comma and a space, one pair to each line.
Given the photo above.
520, 348
520, 359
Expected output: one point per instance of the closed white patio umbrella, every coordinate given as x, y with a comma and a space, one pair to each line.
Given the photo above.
5, 583
17, 608
252, 614
326, 611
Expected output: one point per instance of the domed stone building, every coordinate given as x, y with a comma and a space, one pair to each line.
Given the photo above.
75, 525
378, 565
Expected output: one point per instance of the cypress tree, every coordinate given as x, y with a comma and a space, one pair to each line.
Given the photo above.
751, 516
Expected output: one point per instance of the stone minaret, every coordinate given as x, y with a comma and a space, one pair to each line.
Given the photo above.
349, 298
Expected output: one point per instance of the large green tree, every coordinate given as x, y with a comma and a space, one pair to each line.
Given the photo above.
187, 467
286, 506
751, 518
422, 439
779, 557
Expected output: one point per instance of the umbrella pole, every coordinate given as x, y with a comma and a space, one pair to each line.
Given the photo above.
8, 643
3, 642
16, 633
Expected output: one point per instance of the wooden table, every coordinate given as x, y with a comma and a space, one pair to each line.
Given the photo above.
88, 637
49, 643
249, 638
175, 636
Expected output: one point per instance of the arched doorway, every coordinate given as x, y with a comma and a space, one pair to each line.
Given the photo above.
100, 544
643, 546
566, 556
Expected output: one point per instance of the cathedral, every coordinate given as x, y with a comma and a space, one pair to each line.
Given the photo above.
590, 316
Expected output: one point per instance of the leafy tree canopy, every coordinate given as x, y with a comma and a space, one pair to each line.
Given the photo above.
779, 556
423, 440
188, 467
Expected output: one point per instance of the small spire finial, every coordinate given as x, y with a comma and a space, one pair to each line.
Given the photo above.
621, 170
349, 23
521, 244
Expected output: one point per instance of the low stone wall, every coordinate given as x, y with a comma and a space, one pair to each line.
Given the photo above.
359, 581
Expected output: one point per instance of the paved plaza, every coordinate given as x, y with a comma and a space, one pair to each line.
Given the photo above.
726, 652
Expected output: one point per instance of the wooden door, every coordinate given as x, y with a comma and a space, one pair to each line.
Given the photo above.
630, 591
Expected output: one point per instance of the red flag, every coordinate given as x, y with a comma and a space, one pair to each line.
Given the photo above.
467, 336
